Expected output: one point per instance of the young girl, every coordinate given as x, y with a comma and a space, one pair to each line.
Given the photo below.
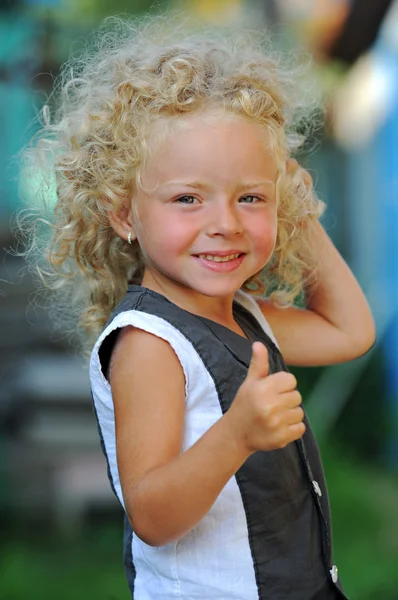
177, 199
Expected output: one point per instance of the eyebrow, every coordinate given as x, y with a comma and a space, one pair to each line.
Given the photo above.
206, 186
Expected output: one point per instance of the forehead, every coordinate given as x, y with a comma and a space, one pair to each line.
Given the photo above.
214, 144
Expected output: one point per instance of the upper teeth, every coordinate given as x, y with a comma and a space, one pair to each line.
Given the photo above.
216, 258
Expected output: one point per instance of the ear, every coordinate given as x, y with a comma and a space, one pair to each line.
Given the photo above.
122, 222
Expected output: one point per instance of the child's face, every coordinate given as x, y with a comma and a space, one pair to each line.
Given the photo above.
208, 218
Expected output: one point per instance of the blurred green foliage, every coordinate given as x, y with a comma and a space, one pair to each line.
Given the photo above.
364, 504
96, 10
37, 564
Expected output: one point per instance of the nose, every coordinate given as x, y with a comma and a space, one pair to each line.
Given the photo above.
224, 220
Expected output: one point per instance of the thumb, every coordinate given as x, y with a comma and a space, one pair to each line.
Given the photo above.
259, 365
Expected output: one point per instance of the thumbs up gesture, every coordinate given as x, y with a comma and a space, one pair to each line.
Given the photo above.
266, 412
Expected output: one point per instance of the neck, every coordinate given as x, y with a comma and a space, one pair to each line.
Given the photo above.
218, 309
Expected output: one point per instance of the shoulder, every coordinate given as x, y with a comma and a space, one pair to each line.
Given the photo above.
144, 356
132, 329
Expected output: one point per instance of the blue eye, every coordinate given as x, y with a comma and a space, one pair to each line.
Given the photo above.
186, 199
250, 199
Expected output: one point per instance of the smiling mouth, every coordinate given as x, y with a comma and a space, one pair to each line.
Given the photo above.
218, 258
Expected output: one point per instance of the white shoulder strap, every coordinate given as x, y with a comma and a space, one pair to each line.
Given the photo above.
249, 303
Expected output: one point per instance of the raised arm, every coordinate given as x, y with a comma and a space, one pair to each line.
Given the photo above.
336, 325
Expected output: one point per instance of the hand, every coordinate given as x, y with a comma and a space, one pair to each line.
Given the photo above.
266, 412
293, 167
298, 185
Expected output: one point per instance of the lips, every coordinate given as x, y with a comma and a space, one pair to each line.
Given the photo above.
218, 257
220, 262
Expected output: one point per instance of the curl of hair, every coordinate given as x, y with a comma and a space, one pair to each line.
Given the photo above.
97, 146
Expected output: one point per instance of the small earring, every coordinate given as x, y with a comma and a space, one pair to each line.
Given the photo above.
129, 237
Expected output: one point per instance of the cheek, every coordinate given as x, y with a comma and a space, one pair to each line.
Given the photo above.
265, 234
164, 234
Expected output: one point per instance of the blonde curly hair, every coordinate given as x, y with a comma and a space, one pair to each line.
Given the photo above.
97, 146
